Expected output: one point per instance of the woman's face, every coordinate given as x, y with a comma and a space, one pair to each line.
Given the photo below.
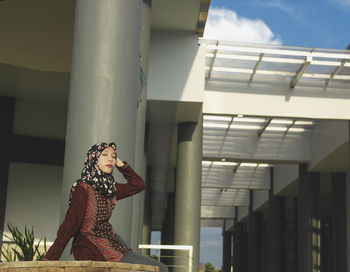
107, 159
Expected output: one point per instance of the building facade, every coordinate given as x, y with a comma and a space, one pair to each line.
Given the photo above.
250, 138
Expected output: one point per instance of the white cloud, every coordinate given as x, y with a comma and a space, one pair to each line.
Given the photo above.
290, 10
225, 24
342, 3
293, 12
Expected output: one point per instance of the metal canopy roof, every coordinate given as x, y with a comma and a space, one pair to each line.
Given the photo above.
229, 61
252, 138
239, 150
229, 169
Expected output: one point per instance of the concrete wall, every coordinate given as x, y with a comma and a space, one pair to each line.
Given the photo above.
260, 197
34, 191
34, 197
328, 138
40, 120
176, 67
283, 176
243, 212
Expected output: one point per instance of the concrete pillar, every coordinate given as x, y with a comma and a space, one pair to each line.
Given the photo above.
146, 226
327, 249
264, 251
291, 234
168, 230
255, 236
339, 221
103, 90
276, 228
308, 220
140, 155
226, 250
188, 191
240, 248
7, 110
276, 258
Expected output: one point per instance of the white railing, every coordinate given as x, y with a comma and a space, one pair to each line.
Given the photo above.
173, 247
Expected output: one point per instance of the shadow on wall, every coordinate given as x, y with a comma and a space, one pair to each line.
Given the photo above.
29, 84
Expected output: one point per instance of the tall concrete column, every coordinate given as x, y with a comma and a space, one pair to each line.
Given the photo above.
103, 90
146, 226
255, 231
327, 249
240, 248
291, 234
339, 222
168, 230
226, 250
7, 110
276, 258
188, 191
255, 236
264, 251
140, 155
308, 220
276, 228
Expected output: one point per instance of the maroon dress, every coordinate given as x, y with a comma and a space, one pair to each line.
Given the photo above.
87, 219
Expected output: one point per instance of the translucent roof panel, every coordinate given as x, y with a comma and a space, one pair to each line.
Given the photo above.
234, 175
217, 212
256, 138
273, 64
225, 197
235, 154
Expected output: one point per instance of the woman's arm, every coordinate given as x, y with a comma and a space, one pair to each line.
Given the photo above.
135, 182
71, 224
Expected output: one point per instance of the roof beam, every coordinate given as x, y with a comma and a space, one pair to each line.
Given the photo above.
256, 67
267, 123
212, 61
226, 132
301, 71
276, 73
336, 71
225, 47
236, 167
276, 60
290, 126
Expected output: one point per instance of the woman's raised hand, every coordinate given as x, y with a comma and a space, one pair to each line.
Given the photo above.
119, 163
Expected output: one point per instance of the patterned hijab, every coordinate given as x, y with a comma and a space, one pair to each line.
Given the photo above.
92, 174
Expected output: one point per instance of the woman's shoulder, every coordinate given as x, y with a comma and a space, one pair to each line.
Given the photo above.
83, 185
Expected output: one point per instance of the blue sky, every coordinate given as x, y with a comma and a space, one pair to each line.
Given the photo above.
321, 24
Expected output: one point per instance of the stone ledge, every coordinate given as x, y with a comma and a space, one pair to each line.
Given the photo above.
74, 266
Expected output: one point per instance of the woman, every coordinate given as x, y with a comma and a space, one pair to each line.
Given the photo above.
91, 202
